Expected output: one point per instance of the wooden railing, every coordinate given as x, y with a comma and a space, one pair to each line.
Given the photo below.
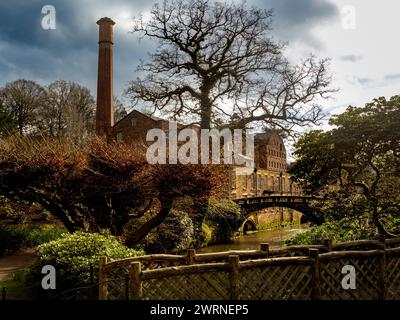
297, 272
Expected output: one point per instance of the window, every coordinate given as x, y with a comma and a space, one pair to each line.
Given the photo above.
134, 122
259, 182
265, 183
233, 182
244, 183
253, 181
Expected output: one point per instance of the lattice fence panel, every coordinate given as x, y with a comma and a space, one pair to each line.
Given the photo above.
393, 277
204, 286
116, 285
286, 282
367, 279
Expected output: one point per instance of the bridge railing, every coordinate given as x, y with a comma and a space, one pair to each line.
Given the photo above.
305, 272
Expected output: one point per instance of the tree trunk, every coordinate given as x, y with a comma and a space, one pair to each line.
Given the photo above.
205, 107
199, 213
380, 227
137, 236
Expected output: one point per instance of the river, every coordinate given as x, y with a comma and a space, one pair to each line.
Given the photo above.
275, 237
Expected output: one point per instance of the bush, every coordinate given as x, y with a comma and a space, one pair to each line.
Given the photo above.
10, 240
27, 235
174, 234
224, 218
73, 254
338, 231
35, 235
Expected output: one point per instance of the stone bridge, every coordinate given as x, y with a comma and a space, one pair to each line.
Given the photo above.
299, 203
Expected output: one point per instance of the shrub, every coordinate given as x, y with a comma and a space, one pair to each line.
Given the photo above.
73, 254
207, 232
224, 218
27, 235
12, 211
36, 235
10, 239
338, 231
174, 234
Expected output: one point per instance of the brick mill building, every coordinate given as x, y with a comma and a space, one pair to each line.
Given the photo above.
270, 172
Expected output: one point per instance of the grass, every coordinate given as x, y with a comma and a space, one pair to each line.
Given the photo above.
18, 286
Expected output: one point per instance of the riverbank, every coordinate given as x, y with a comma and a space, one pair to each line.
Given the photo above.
276, 237
13, 263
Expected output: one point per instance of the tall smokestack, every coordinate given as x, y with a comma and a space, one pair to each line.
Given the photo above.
105, 105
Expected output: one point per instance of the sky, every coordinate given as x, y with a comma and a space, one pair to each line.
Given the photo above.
359, 36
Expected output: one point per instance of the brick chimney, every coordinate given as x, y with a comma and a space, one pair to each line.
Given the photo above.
105, 104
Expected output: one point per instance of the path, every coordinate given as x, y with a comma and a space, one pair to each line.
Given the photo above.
11, 264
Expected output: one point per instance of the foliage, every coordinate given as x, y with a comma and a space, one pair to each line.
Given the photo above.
19, 286
21, 100
98, 185
356, 165
211, 52
7, 124
35, 235
347, 229
61, 109
27, 235
207, 231
224, 215
11, 211
337, 231
73, 254
174, 234
10, 239
68, 111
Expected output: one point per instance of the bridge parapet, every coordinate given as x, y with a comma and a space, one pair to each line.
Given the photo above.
300, 203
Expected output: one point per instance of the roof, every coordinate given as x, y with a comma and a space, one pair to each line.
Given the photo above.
143, 114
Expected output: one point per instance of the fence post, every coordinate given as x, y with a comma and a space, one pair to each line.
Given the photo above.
102, 278
126, 285
234, 277
382, 271
328, 244
265, 247
91, 273
136, 281
190, 256
4, 293
316, 280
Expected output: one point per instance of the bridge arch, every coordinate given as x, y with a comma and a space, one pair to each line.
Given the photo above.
248, 225
298, 203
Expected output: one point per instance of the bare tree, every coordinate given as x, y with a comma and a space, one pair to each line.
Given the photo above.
68, 111
22, 99
120, 111
219, 63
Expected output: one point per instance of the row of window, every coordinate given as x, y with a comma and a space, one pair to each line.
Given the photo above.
265, 183
276, 153
273, 184
277, 165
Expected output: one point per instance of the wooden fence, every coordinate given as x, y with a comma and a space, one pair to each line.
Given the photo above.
296, 272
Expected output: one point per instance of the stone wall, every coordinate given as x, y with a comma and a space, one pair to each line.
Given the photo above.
273, 217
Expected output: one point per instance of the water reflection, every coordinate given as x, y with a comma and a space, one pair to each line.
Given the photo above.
275, 237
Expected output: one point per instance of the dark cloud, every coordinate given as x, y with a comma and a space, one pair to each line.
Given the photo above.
351, 58
70, 51
365, 81
391, 77
294, 19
